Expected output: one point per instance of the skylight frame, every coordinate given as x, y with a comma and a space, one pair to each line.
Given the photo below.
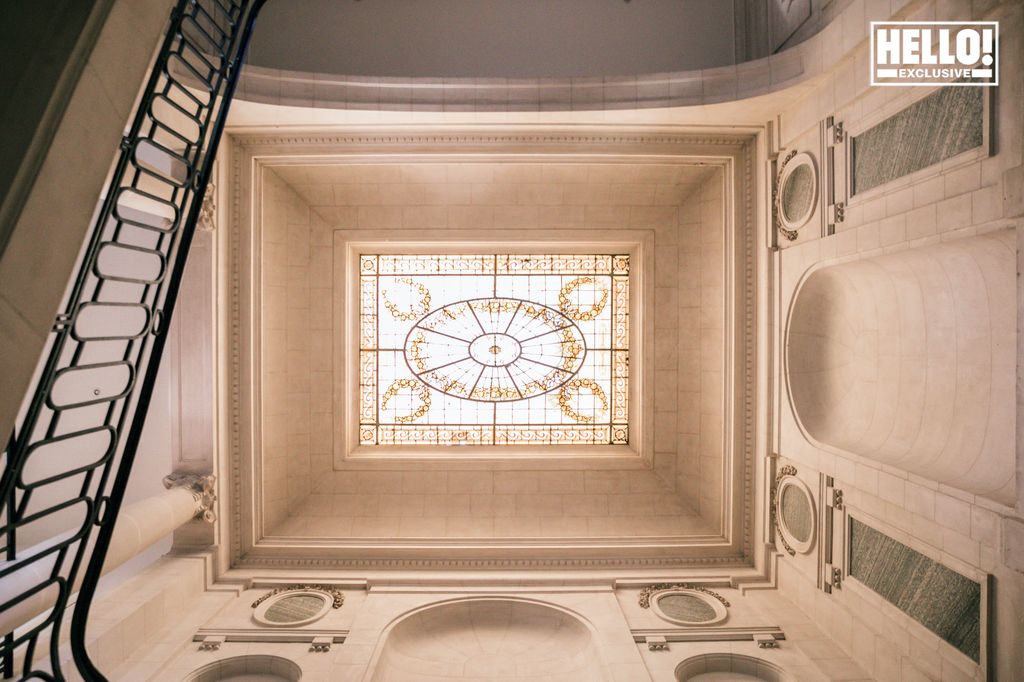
636, 244
494, 349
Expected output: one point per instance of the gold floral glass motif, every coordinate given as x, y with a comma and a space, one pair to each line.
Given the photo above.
494, 349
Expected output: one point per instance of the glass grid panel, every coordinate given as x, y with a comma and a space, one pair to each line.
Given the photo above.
495, 349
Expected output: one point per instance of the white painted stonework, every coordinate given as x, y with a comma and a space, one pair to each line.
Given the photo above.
874, 359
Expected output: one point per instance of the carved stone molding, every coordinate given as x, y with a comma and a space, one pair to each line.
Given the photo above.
202, 487
791, 235
712, 633
327, 91
319, 637
644, 600
337, 595
785, 471
208, 210
527, 140
329, 563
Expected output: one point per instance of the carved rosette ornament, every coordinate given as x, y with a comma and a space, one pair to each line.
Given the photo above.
202, 486
645, 594
208, 210
337, 596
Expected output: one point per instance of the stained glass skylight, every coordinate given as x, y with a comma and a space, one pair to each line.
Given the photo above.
494, 349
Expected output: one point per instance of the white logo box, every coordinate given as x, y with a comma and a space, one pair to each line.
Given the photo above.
930, 53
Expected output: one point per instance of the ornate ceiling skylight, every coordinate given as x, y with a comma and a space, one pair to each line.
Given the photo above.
494, 349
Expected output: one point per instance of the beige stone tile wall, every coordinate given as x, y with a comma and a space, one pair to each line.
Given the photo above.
806, 654
168, 652
487, 504
966, 532
908, 359
701, 378
303, 206
942, 525
504, 621
136, 626
289, 358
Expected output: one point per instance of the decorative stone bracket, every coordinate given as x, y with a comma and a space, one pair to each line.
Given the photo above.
656, 643
208, 210
203, 488
212, 643
321, 644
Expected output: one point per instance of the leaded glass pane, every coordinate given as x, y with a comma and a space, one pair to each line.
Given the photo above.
494, 349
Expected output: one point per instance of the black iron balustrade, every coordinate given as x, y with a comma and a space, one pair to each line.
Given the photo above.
90, 399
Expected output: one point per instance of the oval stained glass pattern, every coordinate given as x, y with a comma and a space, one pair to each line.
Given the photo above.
687, 608
295, 608
495, 349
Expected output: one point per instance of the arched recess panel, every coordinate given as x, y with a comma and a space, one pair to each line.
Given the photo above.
482, 638
909, 359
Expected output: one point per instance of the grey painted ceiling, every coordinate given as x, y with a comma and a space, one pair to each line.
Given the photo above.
494, 38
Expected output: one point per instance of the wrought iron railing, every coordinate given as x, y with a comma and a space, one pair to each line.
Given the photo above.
68, 462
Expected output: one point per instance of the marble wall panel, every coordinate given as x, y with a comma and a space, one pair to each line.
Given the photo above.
942, 600
940, 126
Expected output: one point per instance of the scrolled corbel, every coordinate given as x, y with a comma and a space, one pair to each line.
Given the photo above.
202, 486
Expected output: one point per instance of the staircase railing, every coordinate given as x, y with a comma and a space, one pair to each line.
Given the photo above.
68, 462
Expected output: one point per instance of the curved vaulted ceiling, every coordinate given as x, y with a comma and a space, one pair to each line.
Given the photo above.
494, 38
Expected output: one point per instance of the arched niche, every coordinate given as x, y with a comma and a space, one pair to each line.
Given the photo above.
252, 668
724, 667
487, 637
909, 359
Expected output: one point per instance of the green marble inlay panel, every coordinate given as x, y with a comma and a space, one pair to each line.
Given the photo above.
939, 598
942, 125
796, 513
295, 608
686, 608
798, 194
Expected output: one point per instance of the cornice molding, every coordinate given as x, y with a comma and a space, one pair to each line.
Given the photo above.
270, 635
750, 346
657, 136
235, 361
499, 563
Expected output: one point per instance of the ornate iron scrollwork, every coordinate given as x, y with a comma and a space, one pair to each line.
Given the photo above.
110, 332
